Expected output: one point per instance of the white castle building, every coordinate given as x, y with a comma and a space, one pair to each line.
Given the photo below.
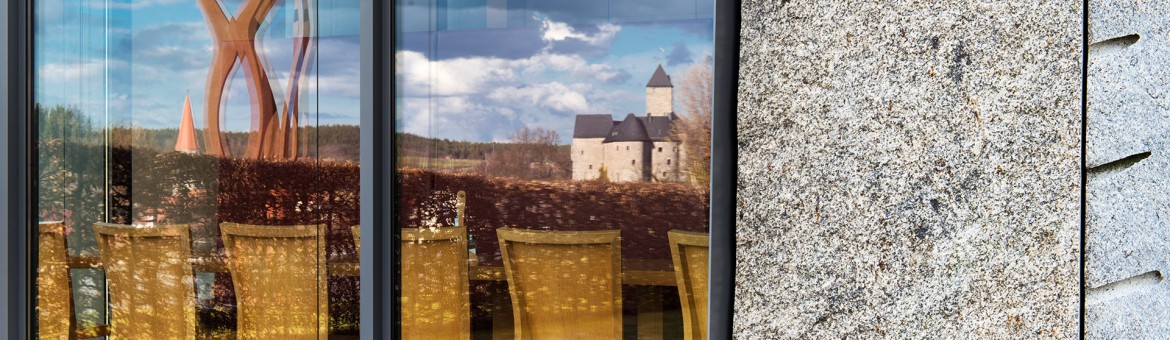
634, 149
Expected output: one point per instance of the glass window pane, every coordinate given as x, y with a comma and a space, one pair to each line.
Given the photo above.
197, 168
553, 167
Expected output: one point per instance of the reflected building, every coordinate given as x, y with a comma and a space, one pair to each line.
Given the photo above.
634, 149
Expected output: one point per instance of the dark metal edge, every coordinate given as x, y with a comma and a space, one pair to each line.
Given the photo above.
1084, 168
376, 271
724, 155
17, 274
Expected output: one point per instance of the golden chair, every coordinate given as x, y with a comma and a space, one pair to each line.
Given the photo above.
54, 292
435, 300
279, 275
690, 252
149, 279
357, 238
435, 292
564, 284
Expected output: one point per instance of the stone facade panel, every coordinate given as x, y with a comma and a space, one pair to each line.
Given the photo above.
587, 156
627, 161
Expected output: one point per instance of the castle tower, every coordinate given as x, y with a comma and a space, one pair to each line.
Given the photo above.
659, 94
187, 142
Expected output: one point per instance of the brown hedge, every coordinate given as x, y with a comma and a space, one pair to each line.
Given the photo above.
178, 188
644, 212
204, 191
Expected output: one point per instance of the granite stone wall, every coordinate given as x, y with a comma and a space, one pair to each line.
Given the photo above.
909, 169
1127, 232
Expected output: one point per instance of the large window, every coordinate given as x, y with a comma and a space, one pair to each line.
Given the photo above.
553, 167
196, 168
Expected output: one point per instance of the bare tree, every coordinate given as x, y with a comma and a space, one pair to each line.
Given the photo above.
693, 128
533, 153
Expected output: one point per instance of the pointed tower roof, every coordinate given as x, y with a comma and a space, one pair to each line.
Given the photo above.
187, 142
659, 79
629, 130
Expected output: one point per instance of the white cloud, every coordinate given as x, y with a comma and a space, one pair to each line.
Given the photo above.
342, 85
455, 117
553, 96
465, 76
572, 64
486, 98
71, 73
452, 77
559, 31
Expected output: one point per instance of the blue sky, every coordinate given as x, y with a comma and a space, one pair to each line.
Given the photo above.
481, 71
134, 60
467, 70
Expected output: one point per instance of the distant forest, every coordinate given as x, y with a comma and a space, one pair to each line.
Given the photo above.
529, 153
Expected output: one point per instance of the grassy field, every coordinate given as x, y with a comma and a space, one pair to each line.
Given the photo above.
437, 163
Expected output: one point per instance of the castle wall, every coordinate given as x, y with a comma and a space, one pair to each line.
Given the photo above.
659, 101
627, 161
587, 157
664, 161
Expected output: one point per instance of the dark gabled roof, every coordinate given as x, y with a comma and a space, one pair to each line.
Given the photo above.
659, 79
593, 126
630, 129
658, 127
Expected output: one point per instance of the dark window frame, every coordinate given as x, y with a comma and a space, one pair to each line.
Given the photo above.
724, 156
15, 96
379, 254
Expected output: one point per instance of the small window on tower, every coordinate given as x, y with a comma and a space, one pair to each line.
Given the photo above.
632, 162
660, 149
590, 166
627, 148
582, 152
668, 162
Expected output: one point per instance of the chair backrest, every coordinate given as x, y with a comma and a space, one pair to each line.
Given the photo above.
690, 251
357, 238
435, 300
564, 284
280, 279
460, 206
54, 292
149, 279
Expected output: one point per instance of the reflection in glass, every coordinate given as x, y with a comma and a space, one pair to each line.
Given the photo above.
158, 122
435, 295
278, 273
566, 118
149, 278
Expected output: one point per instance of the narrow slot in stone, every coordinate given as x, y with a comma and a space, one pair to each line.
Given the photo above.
1124, 287
1109, 46
1120, 164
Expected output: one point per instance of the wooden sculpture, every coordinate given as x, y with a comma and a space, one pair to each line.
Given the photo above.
275, 134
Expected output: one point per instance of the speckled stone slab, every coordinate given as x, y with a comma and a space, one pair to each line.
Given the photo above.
1128, 155
909, 169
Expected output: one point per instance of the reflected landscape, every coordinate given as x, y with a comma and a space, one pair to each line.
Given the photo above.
570, 141
198, 169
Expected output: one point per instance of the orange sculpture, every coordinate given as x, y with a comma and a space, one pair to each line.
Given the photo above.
275, 134
186, 141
